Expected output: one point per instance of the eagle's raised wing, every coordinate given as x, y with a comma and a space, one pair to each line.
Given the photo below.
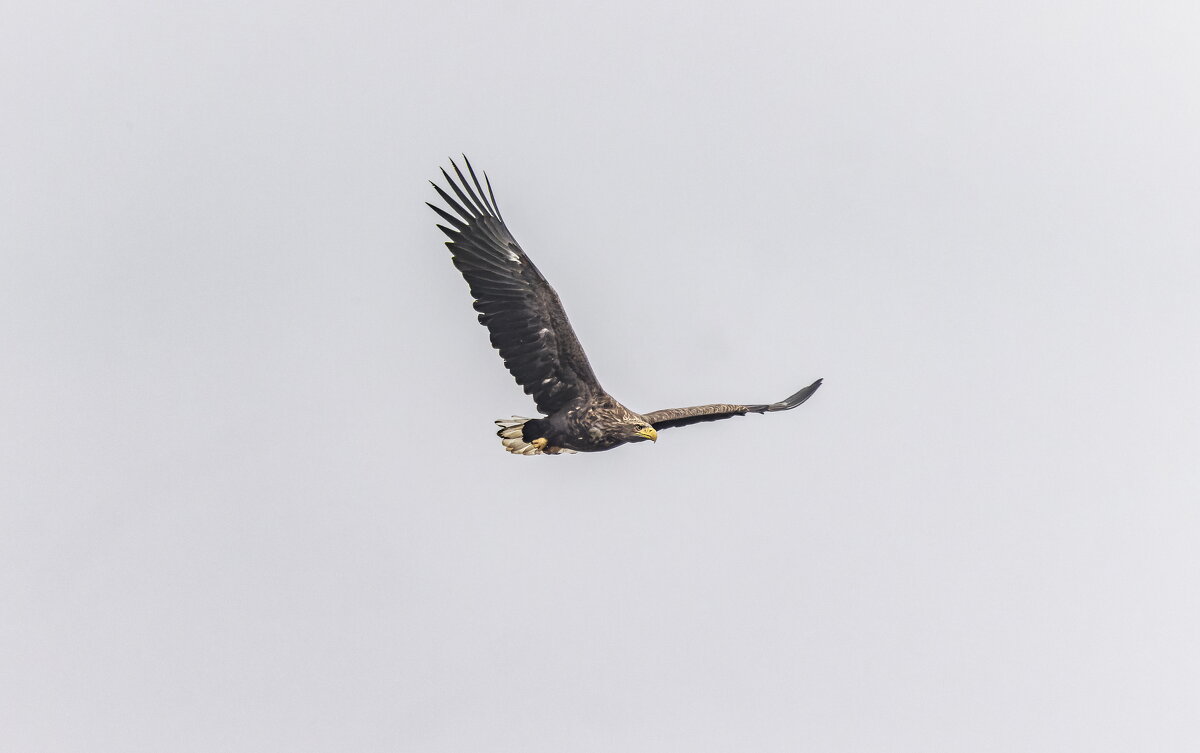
521, 311
672, 417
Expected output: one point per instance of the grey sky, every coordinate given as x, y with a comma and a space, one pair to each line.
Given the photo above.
251, 495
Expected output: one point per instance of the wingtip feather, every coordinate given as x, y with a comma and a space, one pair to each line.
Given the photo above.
797, 399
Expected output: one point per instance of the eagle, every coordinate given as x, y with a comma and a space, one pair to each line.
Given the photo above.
530, 329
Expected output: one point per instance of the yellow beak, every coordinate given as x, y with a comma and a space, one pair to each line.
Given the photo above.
648, 433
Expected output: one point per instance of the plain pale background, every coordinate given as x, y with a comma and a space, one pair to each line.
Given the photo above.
251, 495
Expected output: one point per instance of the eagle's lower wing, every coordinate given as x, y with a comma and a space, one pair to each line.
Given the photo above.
521, 311
672, 417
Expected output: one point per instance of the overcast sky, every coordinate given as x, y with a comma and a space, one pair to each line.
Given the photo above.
251, 498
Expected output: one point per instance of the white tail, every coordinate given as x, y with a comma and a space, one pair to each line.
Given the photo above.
511, 436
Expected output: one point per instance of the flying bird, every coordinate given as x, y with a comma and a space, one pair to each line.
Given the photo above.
530, 329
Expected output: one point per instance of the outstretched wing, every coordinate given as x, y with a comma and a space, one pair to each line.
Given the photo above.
521, 311
672, 417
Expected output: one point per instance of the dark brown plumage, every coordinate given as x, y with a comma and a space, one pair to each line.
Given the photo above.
530, 329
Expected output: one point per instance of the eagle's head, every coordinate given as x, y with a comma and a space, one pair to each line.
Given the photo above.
639, 431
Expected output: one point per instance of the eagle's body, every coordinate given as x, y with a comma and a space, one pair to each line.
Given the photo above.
585, 424
530, 329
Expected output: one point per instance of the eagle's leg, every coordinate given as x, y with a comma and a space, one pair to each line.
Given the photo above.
544, 445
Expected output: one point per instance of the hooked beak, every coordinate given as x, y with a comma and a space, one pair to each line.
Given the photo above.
648, 433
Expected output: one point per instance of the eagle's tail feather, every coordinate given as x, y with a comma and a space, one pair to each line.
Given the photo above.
511, 435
